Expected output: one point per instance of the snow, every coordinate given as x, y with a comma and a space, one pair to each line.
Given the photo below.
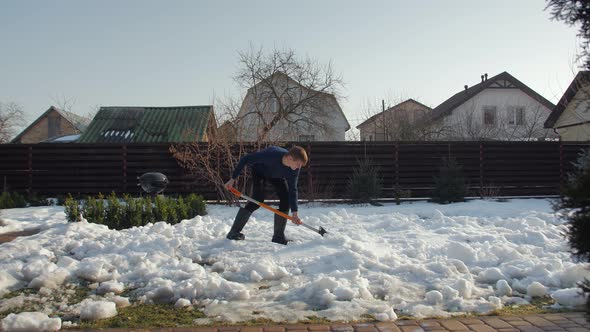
30, 321
417, 258
95, 310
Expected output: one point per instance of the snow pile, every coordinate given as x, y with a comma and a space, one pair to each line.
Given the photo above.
418, 259
30, 321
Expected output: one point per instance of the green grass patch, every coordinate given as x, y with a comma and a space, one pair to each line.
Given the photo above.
23, 291
538, 305
33, 301
147, 316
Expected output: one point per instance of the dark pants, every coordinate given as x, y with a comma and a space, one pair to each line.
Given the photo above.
280, 186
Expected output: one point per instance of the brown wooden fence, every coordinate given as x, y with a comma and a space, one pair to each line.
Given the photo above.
528, 168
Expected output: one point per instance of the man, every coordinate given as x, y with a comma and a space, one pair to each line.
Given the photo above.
280, 168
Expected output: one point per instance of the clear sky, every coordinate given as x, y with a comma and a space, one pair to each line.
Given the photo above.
166, 53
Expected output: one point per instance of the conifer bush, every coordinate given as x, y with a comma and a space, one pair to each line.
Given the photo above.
127, 211
6, 201
13, 200
365, 184
450, 184
72, 209
575, 207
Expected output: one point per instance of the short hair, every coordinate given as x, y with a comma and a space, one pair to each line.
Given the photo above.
298, 153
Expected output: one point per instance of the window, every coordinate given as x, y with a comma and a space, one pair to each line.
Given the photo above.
489, 115
306, 138
516, 115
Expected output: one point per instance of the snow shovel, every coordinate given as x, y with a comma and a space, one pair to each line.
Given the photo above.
236, 192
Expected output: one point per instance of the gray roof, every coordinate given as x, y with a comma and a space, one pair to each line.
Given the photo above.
463, 96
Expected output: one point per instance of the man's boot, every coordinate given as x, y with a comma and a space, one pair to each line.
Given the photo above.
279, 230
241, 220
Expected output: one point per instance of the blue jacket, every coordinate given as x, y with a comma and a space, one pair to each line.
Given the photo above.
268, 163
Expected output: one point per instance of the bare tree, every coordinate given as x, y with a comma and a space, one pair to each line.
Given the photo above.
281, 93
92, 112
64, 103
67, 104
287, 94
213, 161
11, 117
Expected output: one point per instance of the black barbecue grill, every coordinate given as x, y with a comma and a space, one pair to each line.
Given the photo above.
153, 183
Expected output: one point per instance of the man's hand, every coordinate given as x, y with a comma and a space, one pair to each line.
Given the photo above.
296, 219
229, 184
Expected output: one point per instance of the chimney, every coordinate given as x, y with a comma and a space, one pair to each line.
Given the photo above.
465, 87
486, 76
482, 78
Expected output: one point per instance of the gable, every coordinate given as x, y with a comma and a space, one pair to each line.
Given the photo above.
410, 104
501, 81
580, 82
76, 121
577, 110
283, 80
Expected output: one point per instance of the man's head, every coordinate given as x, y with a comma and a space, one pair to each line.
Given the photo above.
295, 158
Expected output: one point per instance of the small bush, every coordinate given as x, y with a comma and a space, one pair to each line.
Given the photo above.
365, 184
6, 201
133, 212
196, 204
19, 200
114, 211
128, 212
35, 200
489, 191
450, 184
400, 194
72, 209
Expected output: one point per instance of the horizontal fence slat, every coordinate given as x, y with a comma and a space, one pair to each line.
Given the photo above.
510, 168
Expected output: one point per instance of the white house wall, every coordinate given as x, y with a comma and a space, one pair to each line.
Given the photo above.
334, 119
577, 110
502, 99
575, 133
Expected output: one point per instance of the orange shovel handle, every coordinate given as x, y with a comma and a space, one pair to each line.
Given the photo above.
270, 208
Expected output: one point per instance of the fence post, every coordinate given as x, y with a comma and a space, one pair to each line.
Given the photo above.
30, 167
124, 168
309, 175
561, 170
397, 164
480, 170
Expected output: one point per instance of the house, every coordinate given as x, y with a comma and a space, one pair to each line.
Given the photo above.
281, 109
151, 125
52, 124
571, 116
497, 108
227, 132
395, 123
